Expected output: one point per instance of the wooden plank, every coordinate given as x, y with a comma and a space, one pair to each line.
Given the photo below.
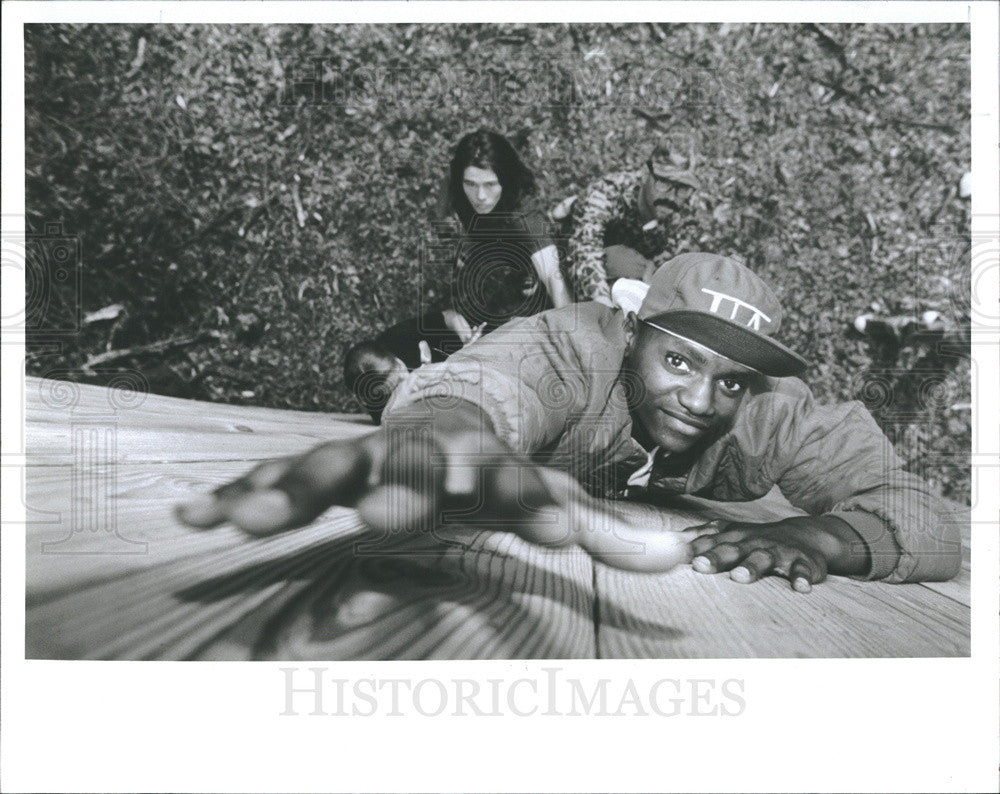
112, 521
684, 614
62, 417
310, 594
153, 589
491, 596
774, 507
111, 574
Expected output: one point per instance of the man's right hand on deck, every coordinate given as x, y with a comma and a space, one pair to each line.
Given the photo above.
406, 475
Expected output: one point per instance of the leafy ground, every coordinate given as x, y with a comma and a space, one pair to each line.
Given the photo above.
246, 201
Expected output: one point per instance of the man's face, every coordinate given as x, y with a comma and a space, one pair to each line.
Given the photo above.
691, 394
482, 189
667, 197
395, 375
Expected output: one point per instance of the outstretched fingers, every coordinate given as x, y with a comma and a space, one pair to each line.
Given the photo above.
286, 493
210, 510
636, 548
530, 500
720, 558
711, 535
801, 568
620, 535
410, 483
804, 573
755, 565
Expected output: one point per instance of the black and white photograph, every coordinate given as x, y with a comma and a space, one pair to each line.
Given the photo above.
352, 338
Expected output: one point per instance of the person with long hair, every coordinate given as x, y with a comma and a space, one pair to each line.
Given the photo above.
504, 265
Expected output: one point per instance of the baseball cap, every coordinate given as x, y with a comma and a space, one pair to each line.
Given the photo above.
668, 173
717, 302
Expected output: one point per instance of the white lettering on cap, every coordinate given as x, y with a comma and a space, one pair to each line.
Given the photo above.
719, 297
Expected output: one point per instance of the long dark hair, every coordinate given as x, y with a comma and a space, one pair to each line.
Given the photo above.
488, 150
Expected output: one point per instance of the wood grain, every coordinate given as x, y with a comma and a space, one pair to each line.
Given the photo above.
156, 589
490, 595
686, 615
311, 594
111, 574
151, 428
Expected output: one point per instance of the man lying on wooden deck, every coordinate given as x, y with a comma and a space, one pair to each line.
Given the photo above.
534, 427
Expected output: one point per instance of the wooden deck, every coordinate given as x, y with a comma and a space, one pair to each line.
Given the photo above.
111, 575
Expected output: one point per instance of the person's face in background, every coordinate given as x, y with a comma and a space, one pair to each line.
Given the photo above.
378, 381
482, 189
665, 197
394, 375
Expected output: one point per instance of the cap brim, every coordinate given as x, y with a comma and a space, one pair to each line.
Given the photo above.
675, 175
735, 342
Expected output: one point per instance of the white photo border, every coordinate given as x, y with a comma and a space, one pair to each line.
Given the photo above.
818, 724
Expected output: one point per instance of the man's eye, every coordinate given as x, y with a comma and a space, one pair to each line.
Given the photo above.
732, 385
677, 362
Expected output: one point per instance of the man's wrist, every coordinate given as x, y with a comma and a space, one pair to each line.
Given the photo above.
463, 425
647, 515
877, 535
845, 550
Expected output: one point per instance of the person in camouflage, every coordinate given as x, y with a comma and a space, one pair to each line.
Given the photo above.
624, 224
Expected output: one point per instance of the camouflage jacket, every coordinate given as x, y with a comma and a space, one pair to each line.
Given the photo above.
611, 213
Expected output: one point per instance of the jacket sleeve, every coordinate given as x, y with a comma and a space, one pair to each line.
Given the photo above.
538, 229
526, 376
834, 459
586, 245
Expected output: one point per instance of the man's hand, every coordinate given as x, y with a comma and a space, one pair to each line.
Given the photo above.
406, 476
460, 326
803, 549
477, 331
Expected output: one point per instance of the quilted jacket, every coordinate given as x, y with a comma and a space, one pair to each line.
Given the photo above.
554, 389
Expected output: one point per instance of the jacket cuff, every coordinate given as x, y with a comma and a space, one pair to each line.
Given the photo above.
882, 547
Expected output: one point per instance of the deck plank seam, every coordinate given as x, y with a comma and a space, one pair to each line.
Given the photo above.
958, 601
596, 610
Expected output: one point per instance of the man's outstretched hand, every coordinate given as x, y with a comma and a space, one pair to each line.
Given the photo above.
803, 550
406, 476
288, 492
